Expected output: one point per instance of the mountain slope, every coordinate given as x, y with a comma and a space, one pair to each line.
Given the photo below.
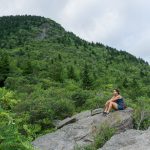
43, 40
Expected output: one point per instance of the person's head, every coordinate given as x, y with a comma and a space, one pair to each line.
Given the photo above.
116, 92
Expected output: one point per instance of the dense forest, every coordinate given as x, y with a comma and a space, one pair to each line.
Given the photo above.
48, 74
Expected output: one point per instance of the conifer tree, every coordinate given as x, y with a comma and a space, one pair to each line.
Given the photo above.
71, 73
86, 78
4, 67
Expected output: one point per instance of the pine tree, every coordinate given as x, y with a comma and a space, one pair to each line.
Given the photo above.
4, 67
28, 68
86, 78
57, 72
71, 73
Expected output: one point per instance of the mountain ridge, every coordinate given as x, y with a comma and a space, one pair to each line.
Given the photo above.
11, 22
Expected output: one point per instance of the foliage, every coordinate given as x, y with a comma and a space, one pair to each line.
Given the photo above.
141, 115
4, 67
10, 138
79, 97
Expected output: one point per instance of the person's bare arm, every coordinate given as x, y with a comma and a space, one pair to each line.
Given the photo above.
110, 100
113, 99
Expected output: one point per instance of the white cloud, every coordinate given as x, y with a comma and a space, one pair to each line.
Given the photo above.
121, 24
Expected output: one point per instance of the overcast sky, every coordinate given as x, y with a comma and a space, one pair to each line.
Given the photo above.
122, 24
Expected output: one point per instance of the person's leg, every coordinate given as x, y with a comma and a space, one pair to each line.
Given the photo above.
112, 105
106, 107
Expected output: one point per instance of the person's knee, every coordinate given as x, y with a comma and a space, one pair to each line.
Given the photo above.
111, 103
106, 104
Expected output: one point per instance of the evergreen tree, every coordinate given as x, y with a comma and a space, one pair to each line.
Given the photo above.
4, 67
28, 68
59, 57
71, 73
86, 78
57, 72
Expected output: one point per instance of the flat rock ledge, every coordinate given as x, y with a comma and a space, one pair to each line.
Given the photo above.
79, 130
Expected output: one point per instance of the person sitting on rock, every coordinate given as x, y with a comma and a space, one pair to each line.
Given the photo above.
116, 102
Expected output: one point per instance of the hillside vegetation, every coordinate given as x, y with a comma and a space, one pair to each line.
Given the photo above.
48, 74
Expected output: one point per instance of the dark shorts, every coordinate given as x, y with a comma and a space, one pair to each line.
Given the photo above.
121, 104
120, 107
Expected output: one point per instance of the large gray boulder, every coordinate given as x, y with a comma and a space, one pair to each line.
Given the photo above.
129, 140
82, 131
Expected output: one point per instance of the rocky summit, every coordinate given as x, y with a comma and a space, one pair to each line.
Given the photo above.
79, 130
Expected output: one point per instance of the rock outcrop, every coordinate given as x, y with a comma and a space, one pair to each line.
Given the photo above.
129, 140
80, 132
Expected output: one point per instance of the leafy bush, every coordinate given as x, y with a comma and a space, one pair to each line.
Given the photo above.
141, 115
63, 108
10, 138
79, 97
7, 99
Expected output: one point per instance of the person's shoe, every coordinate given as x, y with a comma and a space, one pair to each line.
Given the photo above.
105, 113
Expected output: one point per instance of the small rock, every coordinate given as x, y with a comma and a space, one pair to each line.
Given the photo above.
96, 111
65, 122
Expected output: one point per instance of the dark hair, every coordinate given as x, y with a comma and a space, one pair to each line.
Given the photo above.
117, 91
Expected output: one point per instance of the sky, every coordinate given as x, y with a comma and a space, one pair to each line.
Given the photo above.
121, 24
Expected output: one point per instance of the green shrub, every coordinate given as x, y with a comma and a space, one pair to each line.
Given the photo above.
79, 97
10, 138
63, 108
103, 134
141, 114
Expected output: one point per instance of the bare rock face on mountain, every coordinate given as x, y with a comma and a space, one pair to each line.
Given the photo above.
79, 129
129, 140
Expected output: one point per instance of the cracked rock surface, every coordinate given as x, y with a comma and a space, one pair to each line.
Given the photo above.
80, 132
